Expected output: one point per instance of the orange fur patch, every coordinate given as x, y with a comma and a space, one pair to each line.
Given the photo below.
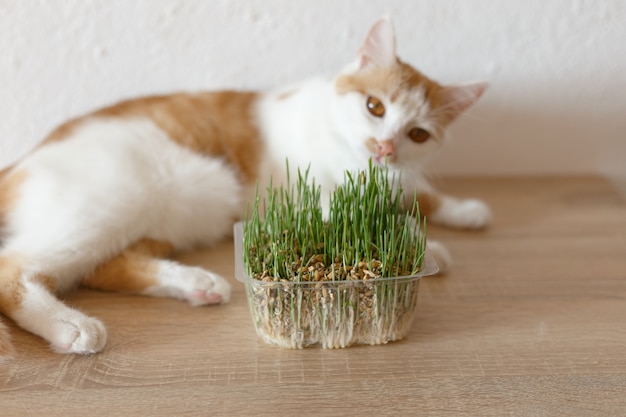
389, 80
11, 287
10, 183
428, 203
64, 130
46, 281
132, 271
128, 272
394, 81
4, 172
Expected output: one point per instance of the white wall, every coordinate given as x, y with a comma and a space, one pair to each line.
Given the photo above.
557, 103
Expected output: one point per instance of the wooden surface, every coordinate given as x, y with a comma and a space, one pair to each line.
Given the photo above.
530, 322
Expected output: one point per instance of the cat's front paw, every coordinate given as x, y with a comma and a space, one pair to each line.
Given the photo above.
79, 334
473, 214
204, 287
196, 285
463, 214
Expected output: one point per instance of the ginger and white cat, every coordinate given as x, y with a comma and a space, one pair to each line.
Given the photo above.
107, 197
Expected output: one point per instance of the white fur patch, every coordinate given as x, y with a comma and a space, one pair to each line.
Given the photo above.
462, 214
111, 183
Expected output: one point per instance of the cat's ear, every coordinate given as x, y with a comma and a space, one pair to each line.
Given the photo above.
458, 98
379, 48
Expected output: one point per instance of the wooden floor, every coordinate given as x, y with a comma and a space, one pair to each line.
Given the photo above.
530, 322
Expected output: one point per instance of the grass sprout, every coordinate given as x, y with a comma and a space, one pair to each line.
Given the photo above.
366, 223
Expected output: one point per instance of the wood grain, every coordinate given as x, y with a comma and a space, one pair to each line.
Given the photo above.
531, 321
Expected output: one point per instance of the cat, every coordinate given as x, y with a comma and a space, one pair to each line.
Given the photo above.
106, 198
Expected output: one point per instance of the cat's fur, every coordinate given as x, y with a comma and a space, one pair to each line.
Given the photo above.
107, 197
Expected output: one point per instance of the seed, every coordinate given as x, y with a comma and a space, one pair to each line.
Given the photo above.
369, 274
319, 258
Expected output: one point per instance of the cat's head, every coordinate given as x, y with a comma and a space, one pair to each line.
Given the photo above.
390, 110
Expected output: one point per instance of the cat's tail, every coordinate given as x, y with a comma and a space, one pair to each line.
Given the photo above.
6, 348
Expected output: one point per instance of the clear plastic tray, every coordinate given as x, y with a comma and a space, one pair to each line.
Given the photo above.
334, 314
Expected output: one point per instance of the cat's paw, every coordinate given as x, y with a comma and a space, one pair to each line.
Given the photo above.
473, 214
441, 255
193, 284
463, 214
203, 287
79, 334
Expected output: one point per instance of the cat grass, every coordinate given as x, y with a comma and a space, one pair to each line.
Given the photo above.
350, 277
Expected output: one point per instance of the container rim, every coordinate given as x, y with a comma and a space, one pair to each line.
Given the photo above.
429, 267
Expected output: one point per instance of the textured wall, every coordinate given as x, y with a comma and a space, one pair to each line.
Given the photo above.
557, 103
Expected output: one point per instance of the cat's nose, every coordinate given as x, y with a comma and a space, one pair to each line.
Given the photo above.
386, 148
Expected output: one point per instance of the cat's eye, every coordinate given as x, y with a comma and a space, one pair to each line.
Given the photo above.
419, 135
375, 107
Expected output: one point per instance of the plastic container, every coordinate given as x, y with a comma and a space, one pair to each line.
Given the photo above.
334, 314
